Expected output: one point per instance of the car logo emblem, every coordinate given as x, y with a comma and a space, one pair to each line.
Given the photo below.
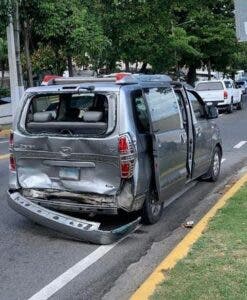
65, 151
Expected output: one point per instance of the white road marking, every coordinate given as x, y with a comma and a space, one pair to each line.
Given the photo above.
58, 283
71, 273
240, 144
4, 142
223, 159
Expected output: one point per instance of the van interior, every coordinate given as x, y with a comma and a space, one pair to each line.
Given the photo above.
68, 114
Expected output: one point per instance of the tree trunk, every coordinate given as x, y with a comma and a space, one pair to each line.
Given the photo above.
209, 69
127, 66
27, 53
70, 66
111, 66
191, 76
144, 68
136, 68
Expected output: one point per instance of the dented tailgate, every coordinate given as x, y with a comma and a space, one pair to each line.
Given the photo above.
71, 164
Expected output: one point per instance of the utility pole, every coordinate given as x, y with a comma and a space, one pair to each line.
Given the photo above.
17, 48
15, 70
14, 89
241, 19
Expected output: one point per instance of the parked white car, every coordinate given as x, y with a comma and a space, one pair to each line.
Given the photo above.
242, 84
222, 93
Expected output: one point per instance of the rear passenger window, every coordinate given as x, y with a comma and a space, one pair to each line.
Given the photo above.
141, 113
163, 108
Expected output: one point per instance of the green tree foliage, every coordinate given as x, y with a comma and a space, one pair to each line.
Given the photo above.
68, 27
165, 34
3, 57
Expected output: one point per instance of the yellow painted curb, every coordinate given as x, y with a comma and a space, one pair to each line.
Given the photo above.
5, 156
181, 250
5, 133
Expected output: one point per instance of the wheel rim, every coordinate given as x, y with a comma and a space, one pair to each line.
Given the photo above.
216, 165
155, 207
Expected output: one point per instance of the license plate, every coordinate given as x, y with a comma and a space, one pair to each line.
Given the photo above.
69, 173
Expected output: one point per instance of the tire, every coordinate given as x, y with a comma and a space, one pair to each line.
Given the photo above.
230, 107
240, 105
215, 166
152, 209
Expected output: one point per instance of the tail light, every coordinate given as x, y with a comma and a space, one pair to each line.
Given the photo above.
225, 94
12, 164
127, 154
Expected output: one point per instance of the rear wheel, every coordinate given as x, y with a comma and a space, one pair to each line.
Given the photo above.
215, 166
152, 209
240, 105
230, 107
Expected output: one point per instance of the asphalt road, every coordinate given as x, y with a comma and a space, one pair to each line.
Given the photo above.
35, 261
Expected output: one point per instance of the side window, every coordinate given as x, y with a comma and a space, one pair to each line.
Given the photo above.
141, 113
197, 107
181, 106
163, 108
228, 84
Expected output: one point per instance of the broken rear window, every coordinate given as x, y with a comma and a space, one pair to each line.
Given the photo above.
70, 114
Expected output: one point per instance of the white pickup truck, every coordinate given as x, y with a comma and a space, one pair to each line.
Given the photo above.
220, 92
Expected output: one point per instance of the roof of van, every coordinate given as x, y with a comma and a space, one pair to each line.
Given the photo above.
74, 87
73, 84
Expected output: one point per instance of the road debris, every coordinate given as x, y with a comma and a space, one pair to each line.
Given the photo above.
188, 224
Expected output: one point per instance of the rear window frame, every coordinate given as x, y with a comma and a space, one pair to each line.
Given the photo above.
213, 82
111, 125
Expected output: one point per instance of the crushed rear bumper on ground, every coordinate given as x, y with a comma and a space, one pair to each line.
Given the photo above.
77, 228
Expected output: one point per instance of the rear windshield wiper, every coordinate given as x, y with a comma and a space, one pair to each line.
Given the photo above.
87, 88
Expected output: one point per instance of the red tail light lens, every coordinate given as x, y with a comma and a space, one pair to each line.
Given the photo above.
123, 145
125, 170
127, 153
12, 164
225, 94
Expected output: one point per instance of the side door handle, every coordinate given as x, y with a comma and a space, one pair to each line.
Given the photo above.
198, 131
183, 138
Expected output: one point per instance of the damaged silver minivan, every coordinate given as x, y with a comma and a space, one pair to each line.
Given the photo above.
102, 145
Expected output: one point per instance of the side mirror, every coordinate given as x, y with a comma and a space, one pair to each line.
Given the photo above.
212, 111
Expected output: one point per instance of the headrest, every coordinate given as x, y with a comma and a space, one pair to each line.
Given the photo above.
92, 116
44, 116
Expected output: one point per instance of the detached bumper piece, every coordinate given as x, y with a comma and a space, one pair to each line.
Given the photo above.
77, 228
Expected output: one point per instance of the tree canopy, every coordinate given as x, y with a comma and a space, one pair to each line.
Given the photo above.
167, 35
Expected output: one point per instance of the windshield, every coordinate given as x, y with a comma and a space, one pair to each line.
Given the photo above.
228, 84
209, 86
240, 83
68, 113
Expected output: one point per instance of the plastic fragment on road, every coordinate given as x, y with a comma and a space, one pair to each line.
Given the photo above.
188, 224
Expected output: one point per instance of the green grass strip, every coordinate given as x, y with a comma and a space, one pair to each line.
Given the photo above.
216, 266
